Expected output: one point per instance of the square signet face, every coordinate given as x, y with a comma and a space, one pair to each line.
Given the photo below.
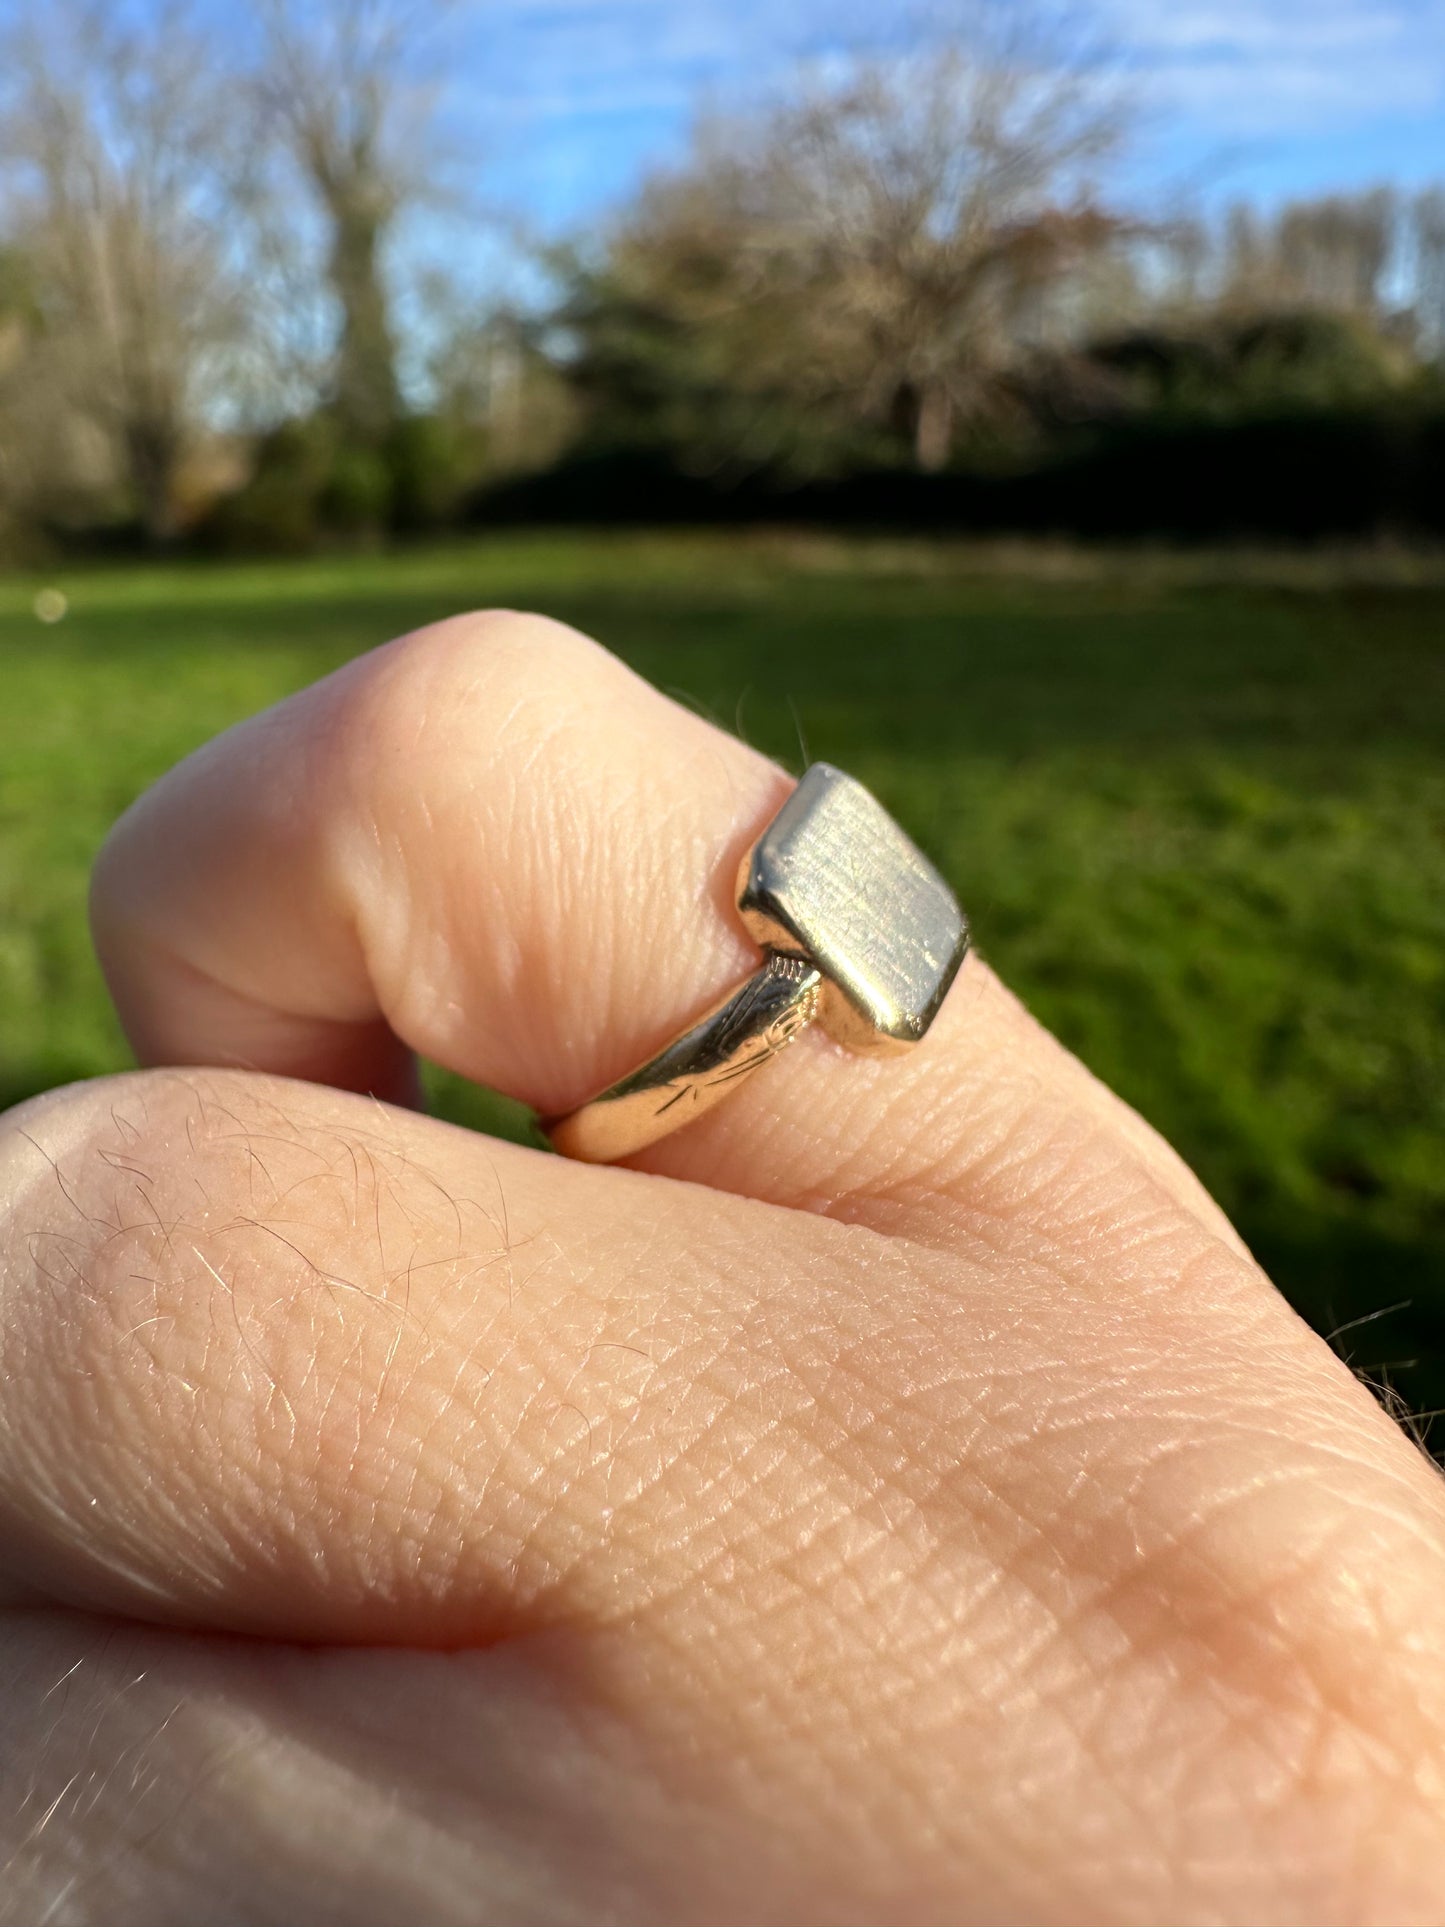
834, 878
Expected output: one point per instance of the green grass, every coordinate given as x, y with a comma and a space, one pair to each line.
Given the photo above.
1199, 824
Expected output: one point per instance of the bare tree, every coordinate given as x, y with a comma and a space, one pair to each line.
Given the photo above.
1333, 252
1425, 227
1183, 255
111, 142
888, 241
345, 87
1375, 257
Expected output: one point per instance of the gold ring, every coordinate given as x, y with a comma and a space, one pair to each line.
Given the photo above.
859, 933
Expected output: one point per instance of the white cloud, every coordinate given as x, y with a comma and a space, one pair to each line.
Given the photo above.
552, 58
1243, 67
1262, 67
586, 94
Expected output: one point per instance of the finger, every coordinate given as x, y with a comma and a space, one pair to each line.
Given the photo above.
380, 1364
972, 1538
175, 1781
283, 1360
492, 844
148, 1777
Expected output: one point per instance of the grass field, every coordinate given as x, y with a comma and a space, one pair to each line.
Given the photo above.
1199, 824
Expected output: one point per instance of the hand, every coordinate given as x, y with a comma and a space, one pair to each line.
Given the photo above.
898, 1499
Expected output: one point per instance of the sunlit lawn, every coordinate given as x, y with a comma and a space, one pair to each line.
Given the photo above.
1202, 829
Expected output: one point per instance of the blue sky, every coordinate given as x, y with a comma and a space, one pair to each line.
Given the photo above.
571, 100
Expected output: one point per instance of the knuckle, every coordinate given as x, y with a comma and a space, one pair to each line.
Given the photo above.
1290, 1588
427, 690
479, 723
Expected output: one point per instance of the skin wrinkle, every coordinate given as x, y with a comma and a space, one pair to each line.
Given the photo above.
940, 1161
1022, 1447
938, 1210
914, 1721
1262, 1717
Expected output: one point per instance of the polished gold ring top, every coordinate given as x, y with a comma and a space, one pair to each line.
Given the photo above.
859, 934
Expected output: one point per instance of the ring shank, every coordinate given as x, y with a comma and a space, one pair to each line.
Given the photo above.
729, 1042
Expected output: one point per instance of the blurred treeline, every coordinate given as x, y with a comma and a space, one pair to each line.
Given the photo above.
901, 291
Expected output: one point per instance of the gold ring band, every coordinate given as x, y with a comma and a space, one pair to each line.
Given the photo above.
730, 1041
859, 933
